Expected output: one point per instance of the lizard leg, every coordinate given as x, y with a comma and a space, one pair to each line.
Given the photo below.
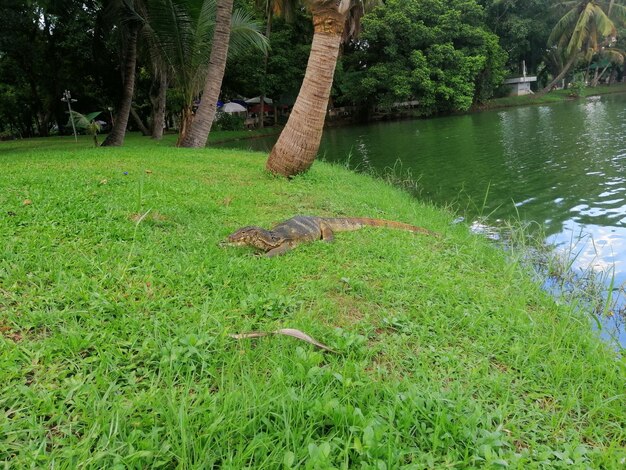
327, 233
279, 250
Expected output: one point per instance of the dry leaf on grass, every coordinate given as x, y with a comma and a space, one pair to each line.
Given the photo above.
286, 332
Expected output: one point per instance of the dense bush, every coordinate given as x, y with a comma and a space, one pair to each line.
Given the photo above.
438, 53
229, 122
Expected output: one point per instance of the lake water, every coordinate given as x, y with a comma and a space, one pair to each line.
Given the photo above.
562, 165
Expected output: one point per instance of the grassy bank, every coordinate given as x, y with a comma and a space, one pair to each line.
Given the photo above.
217, 137
116, 303
555, 96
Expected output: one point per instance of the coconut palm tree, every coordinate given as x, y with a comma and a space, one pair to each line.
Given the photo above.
200, 128
611, 56
582, 30
198, 131
297, 146
273, 8
130, 16
158, 99
184, 39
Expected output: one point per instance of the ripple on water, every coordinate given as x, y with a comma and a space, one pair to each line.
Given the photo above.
611, 202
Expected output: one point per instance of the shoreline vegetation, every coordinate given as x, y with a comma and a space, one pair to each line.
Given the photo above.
555, 96
117, 306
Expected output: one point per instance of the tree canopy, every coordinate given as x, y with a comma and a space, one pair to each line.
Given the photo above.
445, 55
437, 52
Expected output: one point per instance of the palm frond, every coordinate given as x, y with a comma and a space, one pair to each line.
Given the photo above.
618, 13
286, 9
245, 34
174, 27
281, 8
83, 121
581, 30
614, 55
171, 27
201, 47
605, 27
563, 26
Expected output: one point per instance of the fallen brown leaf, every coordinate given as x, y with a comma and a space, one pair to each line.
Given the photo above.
286, 332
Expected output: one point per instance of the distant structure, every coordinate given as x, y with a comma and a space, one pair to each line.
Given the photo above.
520, 85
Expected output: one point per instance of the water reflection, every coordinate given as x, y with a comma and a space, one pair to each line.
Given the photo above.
563, 166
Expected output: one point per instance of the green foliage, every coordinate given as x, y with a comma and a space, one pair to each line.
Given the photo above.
290, 44
229, 122
584, 26
584, 30
436, 52
44, 46
577, 88
183, 37
523, 27
87, 122
440, 53
114, 346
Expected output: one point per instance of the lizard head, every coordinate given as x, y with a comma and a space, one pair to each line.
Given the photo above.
253, 236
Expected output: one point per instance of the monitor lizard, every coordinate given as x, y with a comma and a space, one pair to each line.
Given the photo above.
303, 228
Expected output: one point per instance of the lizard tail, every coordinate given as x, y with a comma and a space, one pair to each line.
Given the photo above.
339, 224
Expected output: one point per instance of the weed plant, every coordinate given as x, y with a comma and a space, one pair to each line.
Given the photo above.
116, 306
589, 289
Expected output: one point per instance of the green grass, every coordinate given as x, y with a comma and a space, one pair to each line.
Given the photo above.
225, 136
132, 140
114, 347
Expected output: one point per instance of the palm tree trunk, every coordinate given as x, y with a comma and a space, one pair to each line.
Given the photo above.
186, 118
559, 77
158, 98
142, 127
297, 146
116, 136
268, 32
597, 79
202, 122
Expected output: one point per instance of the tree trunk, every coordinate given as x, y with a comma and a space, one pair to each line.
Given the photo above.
588, 70
158, 98
116, 136
558, 78
203, 120
268, 32
297, 146
45, 124
142, 127
186, 118
597, 78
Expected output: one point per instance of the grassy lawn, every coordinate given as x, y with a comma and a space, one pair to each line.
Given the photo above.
133, 140
225, 136
116, 303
